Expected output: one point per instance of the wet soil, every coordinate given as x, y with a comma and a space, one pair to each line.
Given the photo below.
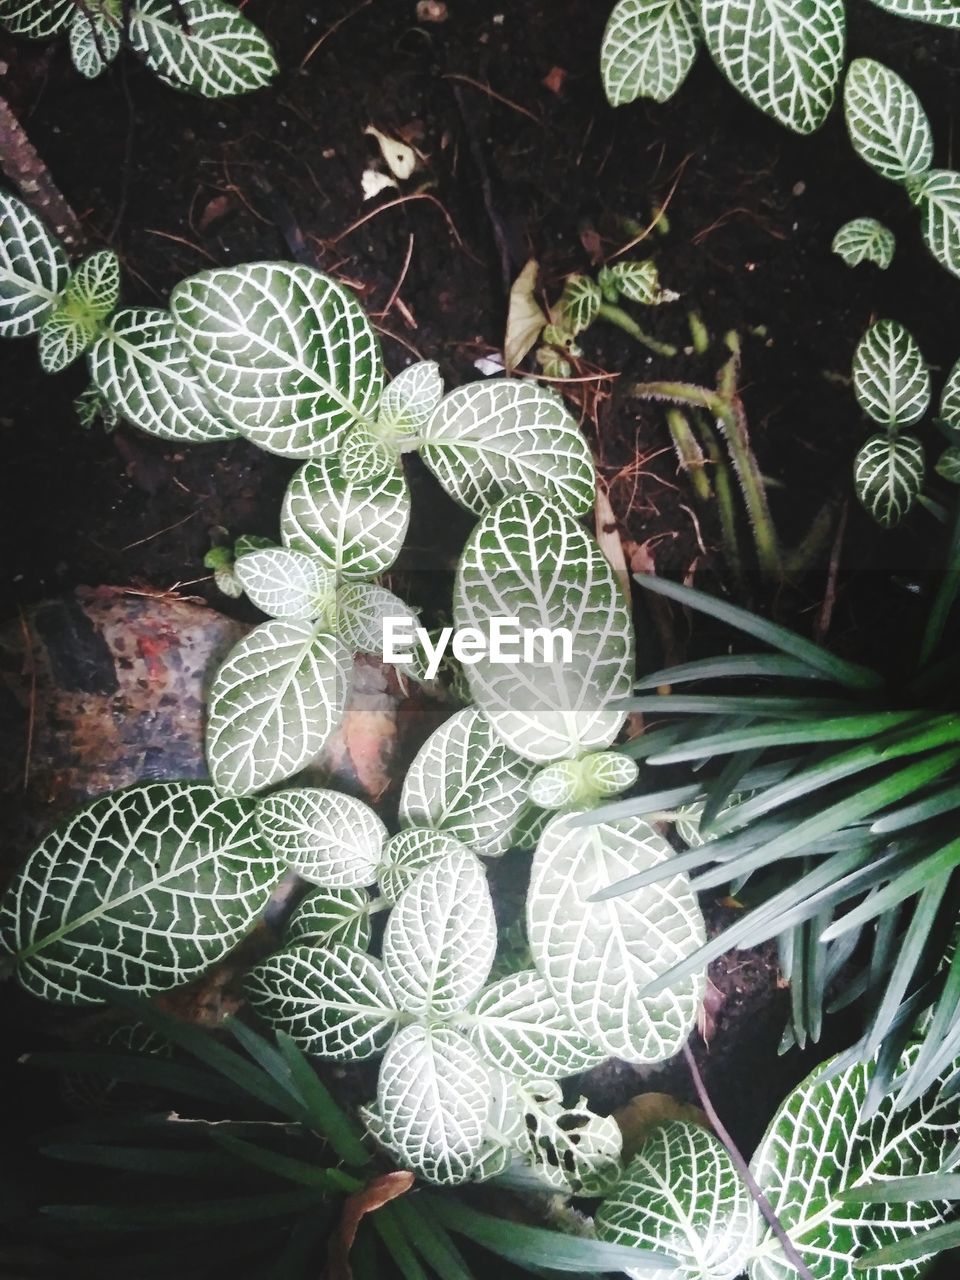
521, 157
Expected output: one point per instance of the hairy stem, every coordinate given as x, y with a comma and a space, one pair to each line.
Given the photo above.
945, 597
689, 453
24, 168
724, 490
617, 315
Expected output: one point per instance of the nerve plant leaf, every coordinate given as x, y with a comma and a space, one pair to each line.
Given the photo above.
821, 1145
467, 783
36, 18
888, 476
887, 125
572, 1148
361, 609
143, 371
491, 439
356, 529
950, 397
891, 379
273, 704
33, 266
648, 48
333, 1001
441, 938
288, 355
94, 37
327, 837
287, 584
532, 561
410, 400
326, 917
681, 1195
407, 854
218, 53
865, 240
77, 318
784, 56
141, 890
937, 194
944, 13
598, 957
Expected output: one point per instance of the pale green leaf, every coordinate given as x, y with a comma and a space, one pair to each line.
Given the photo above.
639, 282
220, 54
33, 269
648, 48
286, 584
407, 854
142, 890
865, 240
361, 609
327, 837
891, 379
888, 127
287, 353
888, 476
326, 917
94, 286
274, 703
409, 402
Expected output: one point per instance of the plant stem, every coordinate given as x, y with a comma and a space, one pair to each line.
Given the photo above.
617, 315
24, 168
945, 597
724, 491
763, 1204
689, 453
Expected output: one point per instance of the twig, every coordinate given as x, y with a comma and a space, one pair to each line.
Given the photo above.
150, 536
330, 30
763, 1204
661, 213
399, 285
392, 204
830, 594
492, 93
22, 165
486, 187
127, 153
32, 712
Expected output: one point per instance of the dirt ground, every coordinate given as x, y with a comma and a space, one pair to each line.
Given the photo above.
521, 157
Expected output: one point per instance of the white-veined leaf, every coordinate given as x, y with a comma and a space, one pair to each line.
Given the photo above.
287, 353
333, 1001
937, 194
409, 401
361, 610
219, 55
94, 286
433, 1098
74, 323
944, 13
607, 773
518, 1027
327, 837
948, 464
785, 56
327, 917
33, 269
533, 562
407, 854
580, 303
648, 48
287, 584
598, 957
638, 282
865, 240
681, 1195
491, 439
441, 938
891, 379
950, 397
63, 338
820, 1144
142, 890
143, 370
888, 476
572, 1148
577, 782
355, 529
36, 18
467, 782
273, 704
94, 38
887, 125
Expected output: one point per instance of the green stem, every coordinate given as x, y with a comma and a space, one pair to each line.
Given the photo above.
617, 315
945, 596
724, 491
689, 453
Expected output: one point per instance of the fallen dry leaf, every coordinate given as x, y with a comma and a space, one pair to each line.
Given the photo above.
372, 1197
554, 80
525, 318
646, 1112
608, 536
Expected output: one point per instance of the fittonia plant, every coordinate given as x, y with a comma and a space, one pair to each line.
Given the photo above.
201, 46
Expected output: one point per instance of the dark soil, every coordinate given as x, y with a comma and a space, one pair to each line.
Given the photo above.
751, 212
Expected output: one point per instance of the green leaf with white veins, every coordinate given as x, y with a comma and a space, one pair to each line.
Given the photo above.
287, 584
143, 370
785, 56
36, 18
361, 608
409, 853
944, 13
648, 48
326, 917
865, 240
681, 1195
355, 529
63, 338
433, 1099
274, 703
887, 125
410, 401
490, 439
77, 319
327, 837
891, 379
518, 1027
33, 269
94, 286
219, 54
441, 938
142, 890
333, 1002
937, 194
599, 957
287, 354
819, 1144
94, 38
467, 782
572, 1148
950, 397
888, 476
533, 562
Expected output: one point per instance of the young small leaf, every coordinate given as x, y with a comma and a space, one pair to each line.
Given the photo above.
410, 401
361, 609
409, 853
891, 379
94, 286
218, 53
640, 282
580, 303
63, 338
888, 127
327, 917
888, 476
948, 464
648, 48
94, 38
865, 240
327, 837
33, 267
286, 584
